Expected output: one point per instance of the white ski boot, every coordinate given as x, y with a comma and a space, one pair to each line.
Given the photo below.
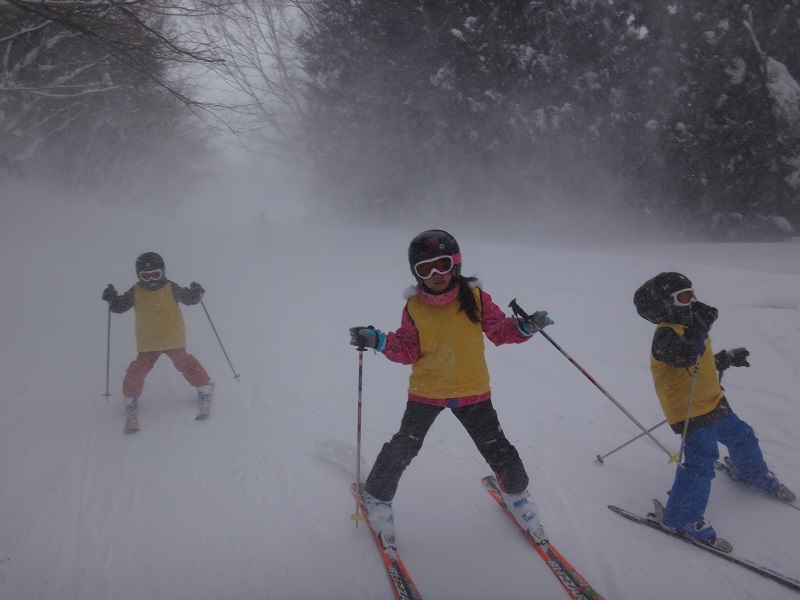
527, 514
381, 519
131, 415
204, 393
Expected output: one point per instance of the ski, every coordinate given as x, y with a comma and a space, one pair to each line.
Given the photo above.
573, 582
402, 585
726, 467
785, 580
131, 424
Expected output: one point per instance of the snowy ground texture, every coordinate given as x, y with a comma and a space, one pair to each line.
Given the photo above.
255, 503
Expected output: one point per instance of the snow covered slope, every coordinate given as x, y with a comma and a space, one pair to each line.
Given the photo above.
255, 503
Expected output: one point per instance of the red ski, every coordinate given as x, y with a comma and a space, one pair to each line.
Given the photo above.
572, 581
402, 585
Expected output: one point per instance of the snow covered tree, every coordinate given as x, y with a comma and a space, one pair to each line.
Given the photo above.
722, 151
482, 100
363, 85
87, 90
256, 42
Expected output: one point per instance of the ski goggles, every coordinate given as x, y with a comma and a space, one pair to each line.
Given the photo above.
683, 297
425, 269
150, 275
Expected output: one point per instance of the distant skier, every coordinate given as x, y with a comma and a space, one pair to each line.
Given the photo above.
159, 330
441, 337
681, 352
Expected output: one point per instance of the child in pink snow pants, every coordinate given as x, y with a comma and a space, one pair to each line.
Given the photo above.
159, 328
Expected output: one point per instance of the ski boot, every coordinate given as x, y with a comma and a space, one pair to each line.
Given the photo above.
381, 519
204, 393
701, 531
527, 514
132, 415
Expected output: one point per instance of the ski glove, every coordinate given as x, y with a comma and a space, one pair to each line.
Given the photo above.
696, 336
732, 358
739, 357
367, 337
535, 322
705, 314
110, 294
197, 289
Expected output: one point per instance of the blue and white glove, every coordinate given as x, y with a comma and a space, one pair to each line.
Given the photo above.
535, 322
367, 337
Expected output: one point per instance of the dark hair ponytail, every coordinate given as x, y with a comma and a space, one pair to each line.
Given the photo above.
467, 299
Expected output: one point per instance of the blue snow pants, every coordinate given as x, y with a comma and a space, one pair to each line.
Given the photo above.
689, 494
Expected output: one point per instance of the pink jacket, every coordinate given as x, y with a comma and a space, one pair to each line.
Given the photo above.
403, 346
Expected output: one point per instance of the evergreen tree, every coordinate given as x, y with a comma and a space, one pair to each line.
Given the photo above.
81, 111
664, 109
721, 140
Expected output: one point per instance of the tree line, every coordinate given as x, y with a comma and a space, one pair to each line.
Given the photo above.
686, 113
93, 95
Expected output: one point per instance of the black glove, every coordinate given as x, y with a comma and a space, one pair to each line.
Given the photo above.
739, 357
706, 315
732, 358
722, 360
367, 337
696, 336
197, 289
110, 294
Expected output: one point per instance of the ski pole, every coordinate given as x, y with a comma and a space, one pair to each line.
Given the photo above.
688, 411
691, 394
235, 376
521, 313
600, 458
357, 516
108, 352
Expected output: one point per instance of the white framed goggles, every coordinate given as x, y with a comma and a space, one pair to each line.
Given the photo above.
683, 297
425, 269
151, 275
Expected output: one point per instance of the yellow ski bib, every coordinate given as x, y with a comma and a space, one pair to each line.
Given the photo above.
159, 321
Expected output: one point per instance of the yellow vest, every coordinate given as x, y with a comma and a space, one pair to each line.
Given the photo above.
674, 384
451, 362
159, 322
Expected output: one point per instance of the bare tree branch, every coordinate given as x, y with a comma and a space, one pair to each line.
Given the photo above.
257, 41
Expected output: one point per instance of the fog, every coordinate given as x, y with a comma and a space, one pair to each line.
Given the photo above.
240, 186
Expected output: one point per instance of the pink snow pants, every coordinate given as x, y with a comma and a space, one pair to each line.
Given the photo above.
187, 364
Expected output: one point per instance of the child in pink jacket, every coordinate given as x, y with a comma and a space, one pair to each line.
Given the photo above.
442, 337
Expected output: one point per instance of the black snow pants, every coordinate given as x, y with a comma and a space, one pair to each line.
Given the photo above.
481, 422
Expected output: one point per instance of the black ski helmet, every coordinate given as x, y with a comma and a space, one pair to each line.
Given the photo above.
433, 243
653, 299
669, 283
150, 261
